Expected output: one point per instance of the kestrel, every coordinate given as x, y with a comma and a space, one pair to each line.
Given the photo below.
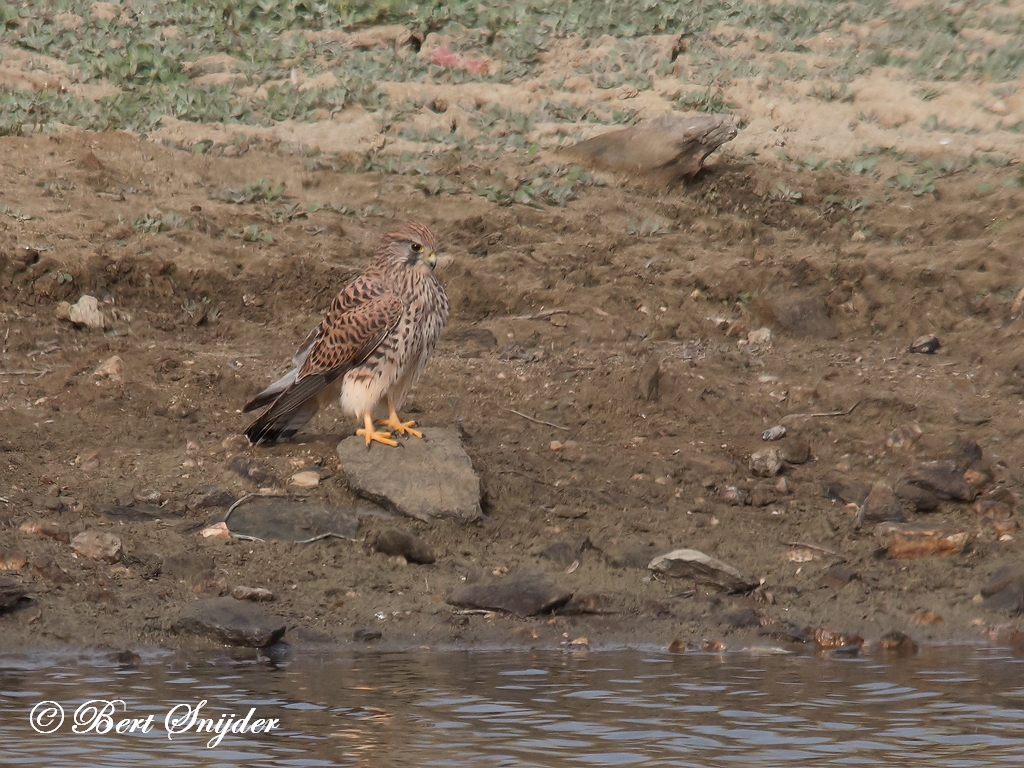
370, 348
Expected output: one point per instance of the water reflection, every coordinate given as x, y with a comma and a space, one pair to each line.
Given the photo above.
946, 707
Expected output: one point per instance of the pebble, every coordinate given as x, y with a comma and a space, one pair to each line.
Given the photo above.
922, 618
925, 345
829, 638
256, 594
12, 561
147, 496
734, 495
897, 643
762, 495
692, 563
86, 311
216, 531
765, 462
882, 506
401, 544
97, 545
306, 479
775, 433
761, 337
111, 368
46, 528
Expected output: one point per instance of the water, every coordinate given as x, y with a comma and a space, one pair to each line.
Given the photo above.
949, 707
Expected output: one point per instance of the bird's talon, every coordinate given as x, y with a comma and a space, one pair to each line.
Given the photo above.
373, 435
401, 427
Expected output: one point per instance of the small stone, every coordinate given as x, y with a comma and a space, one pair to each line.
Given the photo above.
11, 560
775, 433
524, 594
999, 108
795, 450
734, 495
761, 337
925, 345
147, 496
781, 486
209, 583
829, 638
839, 575
800, 556
399, 543
922, 618
230, 621
691, 563
85, 312
650, 379
882, 506
907, 541
555, 445
255, 594
306, 479
111, 368
50, 571
11, 593
897, 643
766, 462
977, 479
677, 646
762, 495
97, 545
216, 531
942, 478
46, 528
919, 498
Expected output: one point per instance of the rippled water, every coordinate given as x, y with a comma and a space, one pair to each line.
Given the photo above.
947, 707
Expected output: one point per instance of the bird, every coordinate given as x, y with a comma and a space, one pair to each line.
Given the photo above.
369, 349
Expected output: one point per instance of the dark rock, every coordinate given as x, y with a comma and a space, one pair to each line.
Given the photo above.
364, 635
399, 543
231, 622
427, 479
920, 499
839, 575
848, 491
251, 469
279, 519
50, 571
691, 563
925, 345
212, 496
525, 594
897, 643
650, 379
762, 495
741, 617
942, 478
11, 593
1005, 590
185, 565
882, 506
795, 450
667, 147
630, 556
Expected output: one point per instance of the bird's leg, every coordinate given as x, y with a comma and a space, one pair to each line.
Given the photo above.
371, 434
394, 423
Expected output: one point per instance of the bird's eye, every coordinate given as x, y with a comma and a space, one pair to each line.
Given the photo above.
416, 247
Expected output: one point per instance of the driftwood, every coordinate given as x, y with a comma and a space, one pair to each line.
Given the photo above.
668, 147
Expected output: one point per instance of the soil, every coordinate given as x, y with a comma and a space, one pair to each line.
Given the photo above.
557, 313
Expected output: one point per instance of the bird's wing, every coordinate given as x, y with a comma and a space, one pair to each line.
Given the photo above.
349, 333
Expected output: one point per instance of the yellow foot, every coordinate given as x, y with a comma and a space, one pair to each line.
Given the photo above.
401, 427
372, 435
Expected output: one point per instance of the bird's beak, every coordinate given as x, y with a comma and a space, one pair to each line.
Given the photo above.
431, 259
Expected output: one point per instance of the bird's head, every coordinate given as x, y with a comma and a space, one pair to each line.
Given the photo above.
409, 245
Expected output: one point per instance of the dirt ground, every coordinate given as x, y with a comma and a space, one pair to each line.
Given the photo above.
558, 313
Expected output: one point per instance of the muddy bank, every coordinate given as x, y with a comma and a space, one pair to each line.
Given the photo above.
638, 353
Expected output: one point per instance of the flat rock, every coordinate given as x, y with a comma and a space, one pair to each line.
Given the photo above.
670, 146
524, 594
230, 621
393, 542
97, 545
944, 479
691, 563
11, 593
425, 479
274, 519
907, 540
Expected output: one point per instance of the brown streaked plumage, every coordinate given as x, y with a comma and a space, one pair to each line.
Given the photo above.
370, 348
